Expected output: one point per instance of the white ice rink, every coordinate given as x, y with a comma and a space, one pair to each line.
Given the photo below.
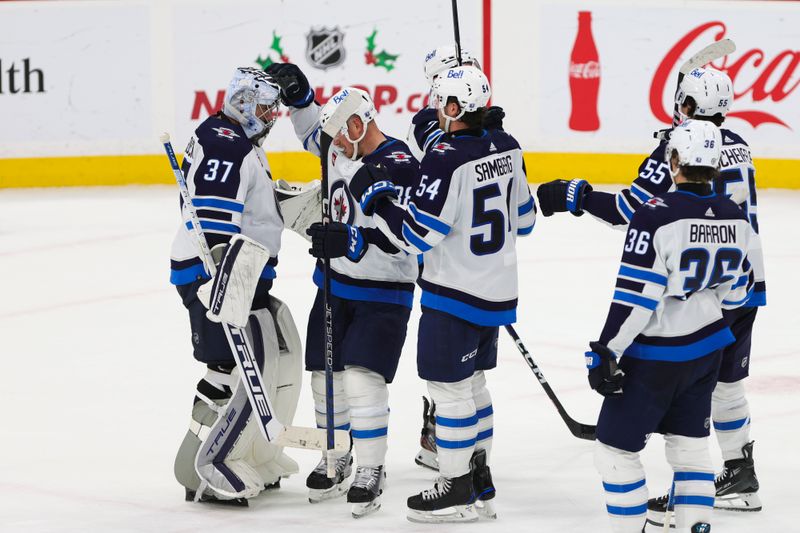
98, 378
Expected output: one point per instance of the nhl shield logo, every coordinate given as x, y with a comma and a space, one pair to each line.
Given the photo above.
325, 47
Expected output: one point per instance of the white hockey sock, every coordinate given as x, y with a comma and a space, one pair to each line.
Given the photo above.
485, 413
731, 414
694, 490
341, 410
456, 425
624, 486
368, 397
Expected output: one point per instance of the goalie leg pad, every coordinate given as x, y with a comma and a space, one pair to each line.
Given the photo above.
456, 425
694, 489
624, 486
731, 414
368, 398
485, 413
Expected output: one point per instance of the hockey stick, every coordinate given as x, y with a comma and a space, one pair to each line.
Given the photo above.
582, 431
456, 32
271, 428
705, 56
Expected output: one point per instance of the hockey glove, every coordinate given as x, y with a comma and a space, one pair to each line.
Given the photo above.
295, 90
604, 375
561, 195
336, 240
493, 119
369, 184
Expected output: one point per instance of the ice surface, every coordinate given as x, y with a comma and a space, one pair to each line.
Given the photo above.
97, 378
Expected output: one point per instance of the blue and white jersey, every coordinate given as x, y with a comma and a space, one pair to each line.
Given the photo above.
232, 190
385, 273
686, 257
737, 180
471, 202
424, 132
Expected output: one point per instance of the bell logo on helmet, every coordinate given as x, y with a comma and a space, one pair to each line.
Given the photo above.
457, 74
337, 98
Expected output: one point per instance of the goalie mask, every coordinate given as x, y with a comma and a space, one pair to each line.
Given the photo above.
252, 100
443, 58
711, 90
366, 112
468, 85
698, 144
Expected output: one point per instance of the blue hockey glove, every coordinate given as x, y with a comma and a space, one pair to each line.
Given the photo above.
561, 195
295, 89
604, 375
336, 240
369, 184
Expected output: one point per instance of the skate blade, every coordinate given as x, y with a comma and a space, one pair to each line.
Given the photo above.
485, 509
320, 495
427, 459
360, 510
457, 513
746, 502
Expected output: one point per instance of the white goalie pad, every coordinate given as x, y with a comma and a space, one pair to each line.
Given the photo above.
300, 207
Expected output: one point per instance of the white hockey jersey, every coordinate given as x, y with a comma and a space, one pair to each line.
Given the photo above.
385, 273
232, 190
471, 202
686, 257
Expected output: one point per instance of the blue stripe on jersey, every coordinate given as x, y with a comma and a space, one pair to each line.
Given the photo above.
369, 433
623, 207
456, 422
635, 299
342, 289
739, 302
741, 282
211, 225
427, 220
644, 275
686, 352
525, 231
486, 411
525, 208
412, 239
309, 137
468, 312
693, 476
622, 488
757, 299
627, 511
733, 424
432, 138
705, 501
187, 275
454, 444
230, 205
639, 193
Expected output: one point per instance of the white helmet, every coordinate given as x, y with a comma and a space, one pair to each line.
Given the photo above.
443, 58
711, 90
468, 85
698, 143
365, 111
250, 88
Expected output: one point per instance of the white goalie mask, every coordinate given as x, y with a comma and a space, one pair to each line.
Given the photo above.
365, 111
252, 100
698, 143
443, 58
468, 85
711, 90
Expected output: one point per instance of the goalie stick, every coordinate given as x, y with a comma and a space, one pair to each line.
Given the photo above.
271, 428
582, 431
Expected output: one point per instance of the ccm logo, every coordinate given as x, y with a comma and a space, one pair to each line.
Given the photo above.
469, 356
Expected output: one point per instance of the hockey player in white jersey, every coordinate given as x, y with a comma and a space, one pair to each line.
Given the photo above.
471, 203
685, 258
704, 94
231, 187
372, 290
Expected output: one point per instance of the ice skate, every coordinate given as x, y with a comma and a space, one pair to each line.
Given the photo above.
450, 500
656, 509
482, 485
737, 484
366, 489
210, 498
321, 487
427, 456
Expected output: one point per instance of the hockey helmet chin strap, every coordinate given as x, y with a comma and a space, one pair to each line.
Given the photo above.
356, 141
448, 119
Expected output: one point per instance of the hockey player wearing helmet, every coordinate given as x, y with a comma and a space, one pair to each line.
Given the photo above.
686, 256
228, 177
705, 94
372, 288
471, 203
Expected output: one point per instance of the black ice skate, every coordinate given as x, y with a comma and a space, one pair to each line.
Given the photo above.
482, 485
366, 489
657, 509
321, 487
207, 497
427, 455
450, 500
737, 484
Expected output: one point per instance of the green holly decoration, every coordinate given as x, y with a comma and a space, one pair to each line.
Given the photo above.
275, 47
383, 58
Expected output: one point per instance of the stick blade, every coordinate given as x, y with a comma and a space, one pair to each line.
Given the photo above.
347, 108
708, 54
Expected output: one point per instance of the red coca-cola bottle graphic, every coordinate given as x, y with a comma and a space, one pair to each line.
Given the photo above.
584, 77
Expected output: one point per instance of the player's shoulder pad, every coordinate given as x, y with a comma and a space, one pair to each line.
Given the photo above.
727, 209
502, 140
424, 116
729, 138
223, 139
395, 155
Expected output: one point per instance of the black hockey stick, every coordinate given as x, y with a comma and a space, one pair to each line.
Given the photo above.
582, 431
456, 32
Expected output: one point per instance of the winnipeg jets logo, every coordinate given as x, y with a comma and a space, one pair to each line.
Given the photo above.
654, 202
341, 203
441, 148
226, 133
400, 157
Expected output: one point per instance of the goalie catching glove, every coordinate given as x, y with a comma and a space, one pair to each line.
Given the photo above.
561, 195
